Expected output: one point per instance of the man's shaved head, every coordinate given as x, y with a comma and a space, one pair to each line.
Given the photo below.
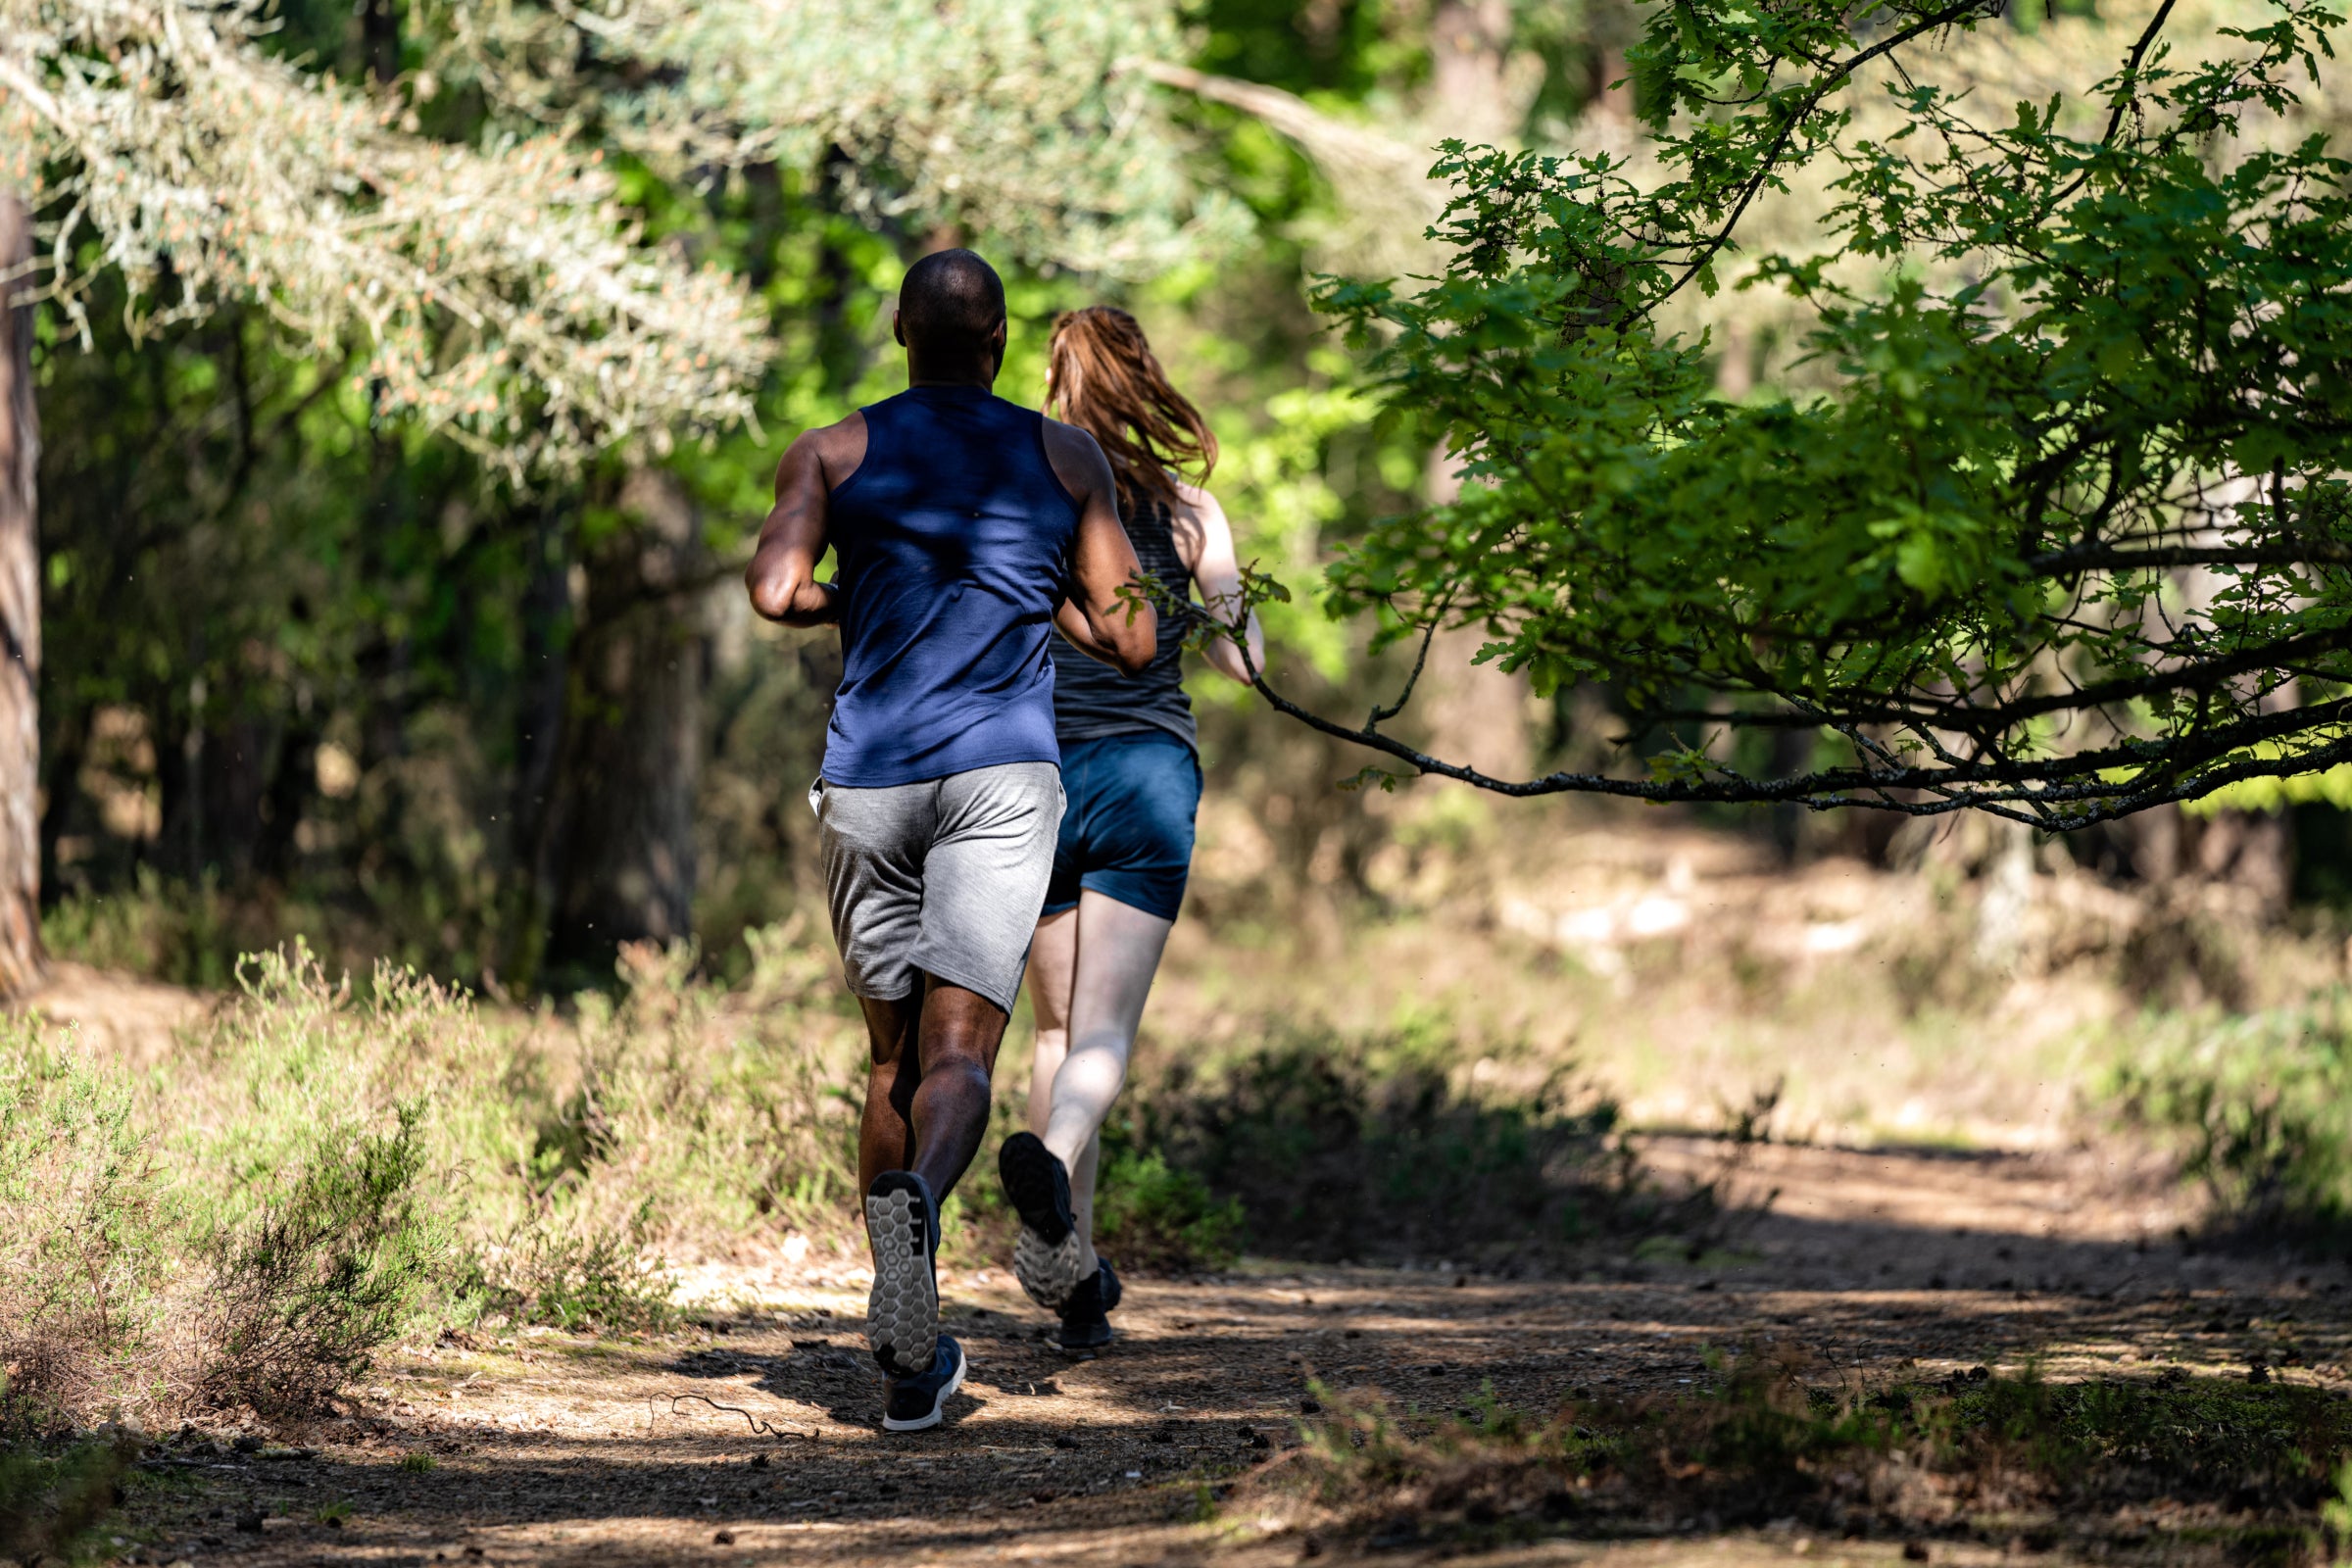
950, 304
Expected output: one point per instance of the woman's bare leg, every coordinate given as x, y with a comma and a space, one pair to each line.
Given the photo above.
1052, 968
1116, 953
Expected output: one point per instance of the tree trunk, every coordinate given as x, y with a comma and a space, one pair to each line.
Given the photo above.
1474, 714
621, 839
20, 627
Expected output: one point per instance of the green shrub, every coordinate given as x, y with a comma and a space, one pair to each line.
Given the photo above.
333, 1263
82, 1223
166, 930
1312, 1134
2259, 1107
316, 1168
50, 1499
1152, 1215
588, 1276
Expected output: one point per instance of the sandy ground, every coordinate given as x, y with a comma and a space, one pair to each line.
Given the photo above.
753, 1440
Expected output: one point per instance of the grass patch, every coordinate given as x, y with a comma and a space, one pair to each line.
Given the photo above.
2186, 1469
131, 1282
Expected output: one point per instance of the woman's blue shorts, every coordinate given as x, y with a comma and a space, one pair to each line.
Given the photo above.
1126, 822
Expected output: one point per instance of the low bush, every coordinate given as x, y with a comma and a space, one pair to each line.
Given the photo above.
333, 1262
156, 1287
1310, 1134
1152, 1215
187, 933
318, 1169
2259, 1107
1287, 1148
83, 1227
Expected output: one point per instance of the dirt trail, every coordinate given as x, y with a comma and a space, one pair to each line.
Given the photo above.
551, 1449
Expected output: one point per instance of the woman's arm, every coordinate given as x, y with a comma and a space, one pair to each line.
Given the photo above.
1204, 541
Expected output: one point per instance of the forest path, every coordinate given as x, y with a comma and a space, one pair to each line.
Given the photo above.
547, 1448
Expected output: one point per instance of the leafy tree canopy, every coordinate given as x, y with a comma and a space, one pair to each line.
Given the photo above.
2068, 537
498, 287
470, 220
1028, 122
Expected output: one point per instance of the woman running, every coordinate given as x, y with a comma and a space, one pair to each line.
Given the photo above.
1131, 779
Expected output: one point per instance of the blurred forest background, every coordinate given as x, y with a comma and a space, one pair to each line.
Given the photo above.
317, 667
311, 670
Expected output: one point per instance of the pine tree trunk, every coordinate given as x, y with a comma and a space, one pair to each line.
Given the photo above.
20, 628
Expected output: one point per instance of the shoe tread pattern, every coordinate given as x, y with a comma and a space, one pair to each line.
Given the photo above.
902, 1315
1047, 1273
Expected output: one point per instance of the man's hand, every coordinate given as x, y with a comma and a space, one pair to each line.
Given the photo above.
1120, 630
782, 575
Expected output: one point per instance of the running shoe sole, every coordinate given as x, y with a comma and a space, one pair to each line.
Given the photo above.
939, 1402
1045, 1257
902, 1315
1047, 1274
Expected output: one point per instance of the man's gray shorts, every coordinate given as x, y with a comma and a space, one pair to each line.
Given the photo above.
943, 878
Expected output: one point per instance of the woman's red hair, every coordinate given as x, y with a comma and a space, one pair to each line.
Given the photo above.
1107, 382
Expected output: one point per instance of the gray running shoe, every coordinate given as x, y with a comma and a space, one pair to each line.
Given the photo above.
1045, 1257
901, 1316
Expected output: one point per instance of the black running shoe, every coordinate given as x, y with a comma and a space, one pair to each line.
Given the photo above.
1086, 1318
1045, 1257
901, 1316
914, 1404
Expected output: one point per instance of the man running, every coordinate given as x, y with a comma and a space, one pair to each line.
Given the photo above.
967, 529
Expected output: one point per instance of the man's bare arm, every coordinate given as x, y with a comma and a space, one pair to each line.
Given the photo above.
782, 575
1120, 630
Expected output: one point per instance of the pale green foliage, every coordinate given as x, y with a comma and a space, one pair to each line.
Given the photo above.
311, 1172
499, 293
1025, 122
2256, 1105
78, 1210
1281, 502
679, 1116
138, 1279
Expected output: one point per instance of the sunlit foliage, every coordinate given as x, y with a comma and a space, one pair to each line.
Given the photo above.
2067, 539
498, 288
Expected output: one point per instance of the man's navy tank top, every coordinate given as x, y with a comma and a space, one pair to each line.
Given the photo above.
954, 541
